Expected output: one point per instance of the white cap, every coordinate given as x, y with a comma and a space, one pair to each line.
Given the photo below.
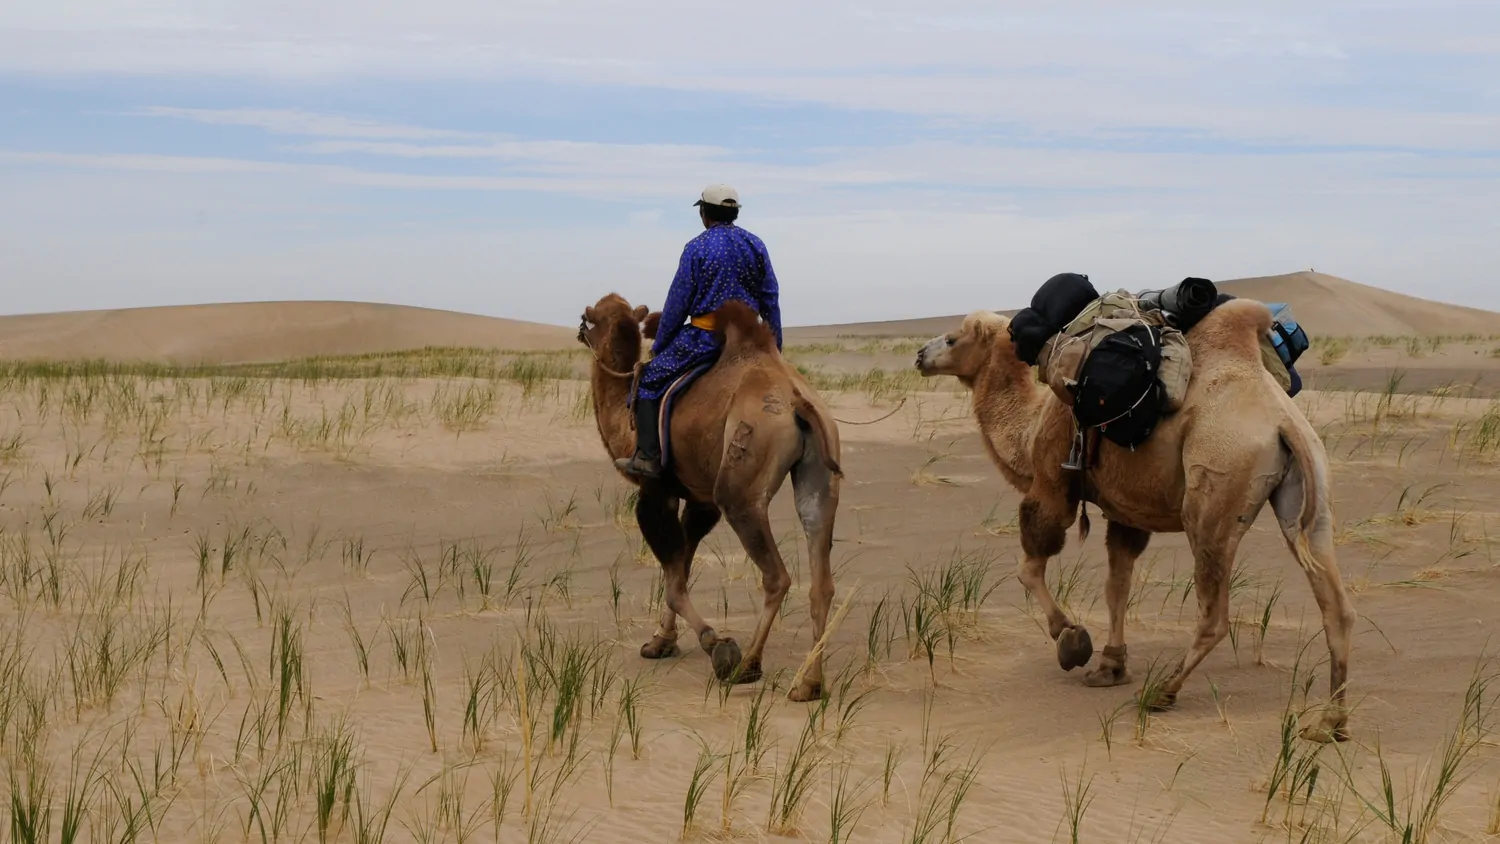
721, 195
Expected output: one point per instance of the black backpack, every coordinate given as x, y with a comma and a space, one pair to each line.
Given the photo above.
1119, 390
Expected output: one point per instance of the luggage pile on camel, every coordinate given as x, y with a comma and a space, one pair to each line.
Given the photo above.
1121, 361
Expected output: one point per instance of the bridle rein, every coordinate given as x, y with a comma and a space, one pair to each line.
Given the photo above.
583, 337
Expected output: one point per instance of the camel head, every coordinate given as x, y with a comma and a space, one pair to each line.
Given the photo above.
610, 319
963, 352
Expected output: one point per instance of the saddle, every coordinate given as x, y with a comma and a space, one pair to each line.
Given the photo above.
674, 390
668, 401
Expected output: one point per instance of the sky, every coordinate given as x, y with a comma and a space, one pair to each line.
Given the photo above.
525, 157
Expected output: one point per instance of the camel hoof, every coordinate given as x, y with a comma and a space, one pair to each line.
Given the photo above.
659, 647
810, 690
1074, 648
726, 658
1160, 700
1331, 728
746, 671
1108, 675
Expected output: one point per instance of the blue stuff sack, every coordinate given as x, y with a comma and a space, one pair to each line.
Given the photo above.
1287, 336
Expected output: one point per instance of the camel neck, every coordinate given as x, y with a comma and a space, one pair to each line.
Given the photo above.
610, 394
1007, 401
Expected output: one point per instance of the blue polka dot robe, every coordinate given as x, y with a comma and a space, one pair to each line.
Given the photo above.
725, 262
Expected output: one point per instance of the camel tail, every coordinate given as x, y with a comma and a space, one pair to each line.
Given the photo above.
810, 414
1315, 492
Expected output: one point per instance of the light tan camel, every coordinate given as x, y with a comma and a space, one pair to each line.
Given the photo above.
1207, 470
735, 435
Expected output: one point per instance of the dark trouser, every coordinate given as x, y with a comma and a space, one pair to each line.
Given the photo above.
647, 437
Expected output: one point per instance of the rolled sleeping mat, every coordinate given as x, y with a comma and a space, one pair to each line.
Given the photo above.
1186, 302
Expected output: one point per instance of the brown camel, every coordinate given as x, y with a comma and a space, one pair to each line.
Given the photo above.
1207, 470
735, 435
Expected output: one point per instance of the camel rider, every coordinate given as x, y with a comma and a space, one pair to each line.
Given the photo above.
724, 262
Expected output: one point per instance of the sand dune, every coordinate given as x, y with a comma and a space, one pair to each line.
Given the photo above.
267, 331
1326, 305
261, 331
1338, 307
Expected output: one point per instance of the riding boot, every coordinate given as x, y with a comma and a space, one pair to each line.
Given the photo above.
646, 462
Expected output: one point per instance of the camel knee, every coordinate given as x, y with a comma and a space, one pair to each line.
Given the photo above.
1347, 619
820, 594
1220, 630
1338, 629
1031, 571
776, 584
1042, 533
676, 591
1211, 631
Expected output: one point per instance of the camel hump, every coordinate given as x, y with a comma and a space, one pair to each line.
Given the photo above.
741, 330
1238, 326
1242, 317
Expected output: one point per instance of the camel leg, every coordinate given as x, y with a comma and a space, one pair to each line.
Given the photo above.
1044, 532
1125, 545
752, 525
698, 520
1214, 526
663, 644
1320, 564
656, 513
817, 496
1211, 578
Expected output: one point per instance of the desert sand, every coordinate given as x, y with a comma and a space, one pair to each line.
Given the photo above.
254, 332
399, 598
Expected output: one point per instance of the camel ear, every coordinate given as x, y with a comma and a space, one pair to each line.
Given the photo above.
651, 325
640, 313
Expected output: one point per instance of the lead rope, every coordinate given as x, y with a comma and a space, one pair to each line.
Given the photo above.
635, 384
634, 374
900, 405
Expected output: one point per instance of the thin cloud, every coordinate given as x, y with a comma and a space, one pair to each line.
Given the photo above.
1236, 71
1150, 140
551, 151
594, 170
634, 172
297, 122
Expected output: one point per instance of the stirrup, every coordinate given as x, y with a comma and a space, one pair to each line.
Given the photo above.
1075, 453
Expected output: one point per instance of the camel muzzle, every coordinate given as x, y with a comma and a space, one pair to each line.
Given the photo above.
925, 354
